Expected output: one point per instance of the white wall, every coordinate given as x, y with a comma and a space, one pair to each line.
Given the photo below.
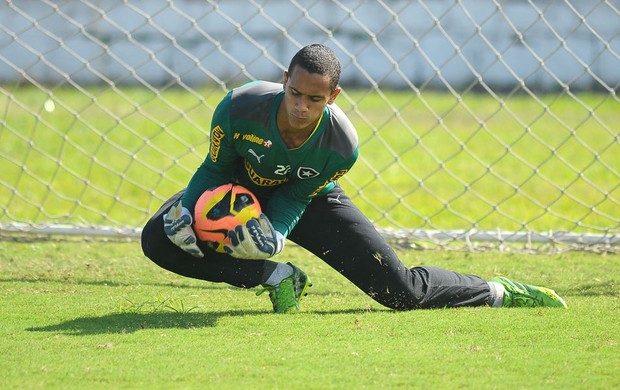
426, 43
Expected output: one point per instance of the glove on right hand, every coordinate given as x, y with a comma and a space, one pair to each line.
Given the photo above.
257, 239
178, 228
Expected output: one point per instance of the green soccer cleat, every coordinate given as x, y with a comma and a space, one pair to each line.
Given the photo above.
285, 296
523, 295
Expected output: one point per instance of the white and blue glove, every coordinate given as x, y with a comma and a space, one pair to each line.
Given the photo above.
178, 228
257, 239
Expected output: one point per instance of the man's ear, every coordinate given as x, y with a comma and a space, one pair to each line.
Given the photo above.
333, 95
284, 78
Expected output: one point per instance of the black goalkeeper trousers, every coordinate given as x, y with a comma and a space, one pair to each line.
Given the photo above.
336, 231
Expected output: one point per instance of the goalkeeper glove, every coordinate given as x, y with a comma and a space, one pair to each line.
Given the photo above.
257, 239
178, 228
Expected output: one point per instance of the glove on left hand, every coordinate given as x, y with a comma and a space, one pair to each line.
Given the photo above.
256, 240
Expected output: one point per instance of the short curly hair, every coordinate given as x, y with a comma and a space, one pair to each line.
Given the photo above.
319, 59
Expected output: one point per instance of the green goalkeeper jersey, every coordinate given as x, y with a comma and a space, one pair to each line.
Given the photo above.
246, 148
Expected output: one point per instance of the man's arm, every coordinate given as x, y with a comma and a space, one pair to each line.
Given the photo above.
218, 167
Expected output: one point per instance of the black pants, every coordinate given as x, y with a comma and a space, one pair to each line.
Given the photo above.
336, 231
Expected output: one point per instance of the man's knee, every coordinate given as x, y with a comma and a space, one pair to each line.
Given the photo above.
151, 239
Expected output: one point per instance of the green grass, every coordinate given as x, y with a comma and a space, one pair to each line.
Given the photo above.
111, 156
100, 315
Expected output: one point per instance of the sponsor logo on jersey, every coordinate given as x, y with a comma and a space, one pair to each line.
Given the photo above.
335, 177
216, 141
261, 181
254, 139
306, 173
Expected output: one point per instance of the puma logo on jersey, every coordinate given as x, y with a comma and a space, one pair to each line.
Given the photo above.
253, 153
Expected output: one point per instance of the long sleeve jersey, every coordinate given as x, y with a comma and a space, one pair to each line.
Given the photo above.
246, 148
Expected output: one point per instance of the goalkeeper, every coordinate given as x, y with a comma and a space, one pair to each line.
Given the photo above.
289, 143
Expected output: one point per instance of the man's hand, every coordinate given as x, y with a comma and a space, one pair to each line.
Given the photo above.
178, 228
257, 239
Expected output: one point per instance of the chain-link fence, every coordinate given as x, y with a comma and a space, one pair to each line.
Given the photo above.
482, 123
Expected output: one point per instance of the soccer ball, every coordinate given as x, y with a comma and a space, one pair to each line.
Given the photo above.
221, 209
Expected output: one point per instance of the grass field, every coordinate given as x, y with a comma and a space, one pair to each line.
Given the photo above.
93, 315
100, 315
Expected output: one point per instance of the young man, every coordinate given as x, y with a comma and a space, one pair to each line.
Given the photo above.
289, 144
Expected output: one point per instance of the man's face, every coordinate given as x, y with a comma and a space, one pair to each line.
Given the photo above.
306, 96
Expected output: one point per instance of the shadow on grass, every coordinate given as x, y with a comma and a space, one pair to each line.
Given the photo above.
123, 323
